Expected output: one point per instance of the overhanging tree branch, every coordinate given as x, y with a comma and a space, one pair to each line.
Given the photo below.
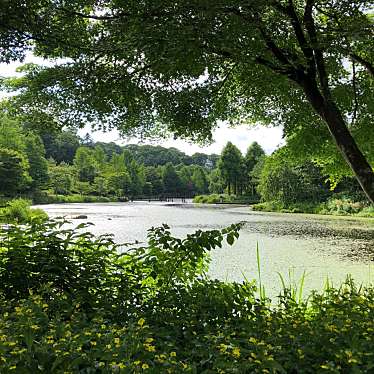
369, 67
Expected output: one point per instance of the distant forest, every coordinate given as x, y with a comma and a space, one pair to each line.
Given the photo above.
59, 166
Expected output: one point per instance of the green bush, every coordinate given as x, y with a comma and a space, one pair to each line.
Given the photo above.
70, 302
219, 198
367, 212
333, 206
18, 210
44, 198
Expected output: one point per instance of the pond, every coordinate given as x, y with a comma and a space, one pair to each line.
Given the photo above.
322, 246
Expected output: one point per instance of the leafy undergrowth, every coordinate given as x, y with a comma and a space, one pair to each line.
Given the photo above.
19, 210
341, 207
43, 198
73, 303
225, 199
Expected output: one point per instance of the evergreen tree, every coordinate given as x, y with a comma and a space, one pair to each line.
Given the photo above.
216, 184
230, 166
254, 154
199, 180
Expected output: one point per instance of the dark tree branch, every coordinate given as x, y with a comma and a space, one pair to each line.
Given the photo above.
225, 79
296, 75
273, 48
318, 53
354, 56
290, 12
369, 67
93, 16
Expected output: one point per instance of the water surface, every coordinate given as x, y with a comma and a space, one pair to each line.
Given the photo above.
324, 247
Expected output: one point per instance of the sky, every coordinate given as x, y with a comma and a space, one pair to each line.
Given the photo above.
242, 136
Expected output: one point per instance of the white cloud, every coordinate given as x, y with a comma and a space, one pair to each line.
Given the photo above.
241, 136
9, 70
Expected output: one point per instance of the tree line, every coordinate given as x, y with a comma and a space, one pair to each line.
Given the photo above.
62, 163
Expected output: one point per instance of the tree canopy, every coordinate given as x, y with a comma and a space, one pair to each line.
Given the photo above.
181, 66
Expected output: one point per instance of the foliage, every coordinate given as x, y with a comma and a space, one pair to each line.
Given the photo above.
85, 164
333, 206
19, 211
230, 166
73, 302
170, 178
216, 184
60, 145
252, 158
92, 271
119, 183
225, 199
61, 178
13, 171
48, 198
345, 206
38, 165
11, 136
286, 183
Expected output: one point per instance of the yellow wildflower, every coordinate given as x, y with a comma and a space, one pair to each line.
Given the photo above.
236, 352
145, 366
173, 354
149, 347
141, 322
116, 340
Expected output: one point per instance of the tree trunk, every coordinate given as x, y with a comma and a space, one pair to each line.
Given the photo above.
344, 140
350, 151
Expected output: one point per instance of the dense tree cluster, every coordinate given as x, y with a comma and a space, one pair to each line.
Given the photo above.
63, 163
237, 172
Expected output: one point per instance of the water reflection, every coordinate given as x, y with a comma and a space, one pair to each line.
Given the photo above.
322, 246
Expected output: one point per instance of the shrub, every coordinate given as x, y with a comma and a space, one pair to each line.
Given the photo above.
70, 302
18, 210
215, 199
56, 199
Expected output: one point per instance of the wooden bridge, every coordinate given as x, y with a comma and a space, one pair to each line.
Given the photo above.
164, 197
